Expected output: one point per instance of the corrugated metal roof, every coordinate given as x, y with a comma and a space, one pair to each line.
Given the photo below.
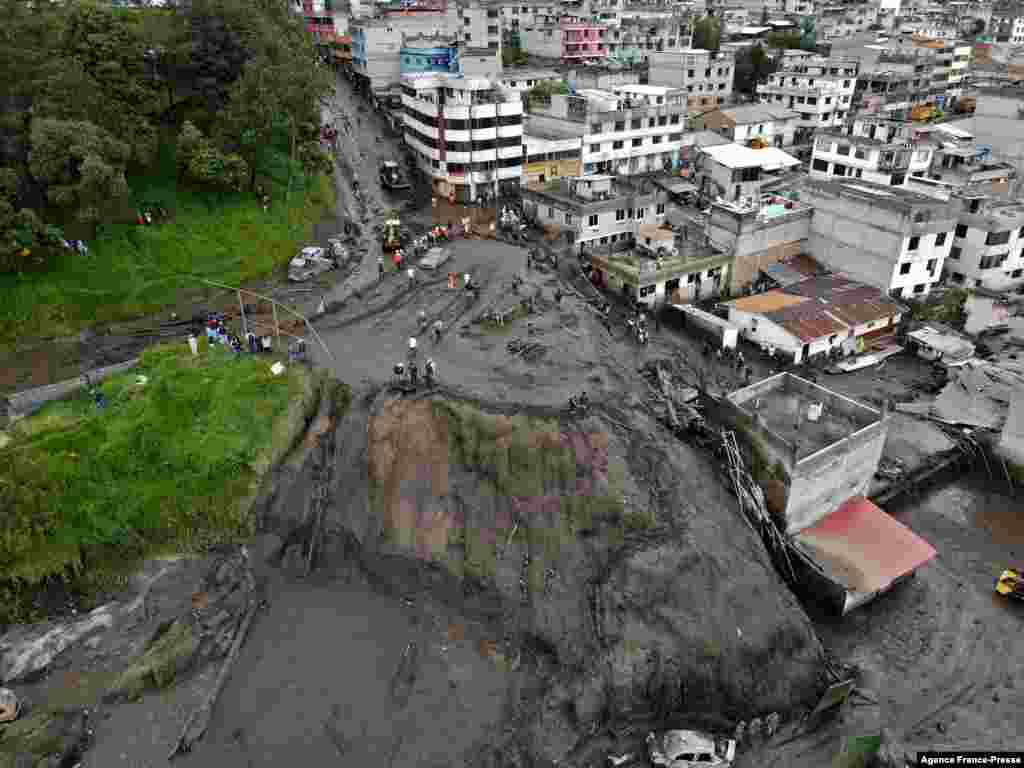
850, 301
783, 274
862, 548
738, 156
807, 321
770, 301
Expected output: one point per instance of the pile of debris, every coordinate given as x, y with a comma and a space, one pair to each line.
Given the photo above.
530, 351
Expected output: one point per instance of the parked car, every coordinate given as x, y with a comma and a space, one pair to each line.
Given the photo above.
309, 262
690, 749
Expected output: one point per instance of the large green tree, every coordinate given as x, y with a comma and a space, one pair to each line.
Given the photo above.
752, 66
82, 166
707, 33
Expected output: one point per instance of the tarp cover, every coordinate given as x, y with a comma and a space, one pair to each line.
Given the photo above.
862, 548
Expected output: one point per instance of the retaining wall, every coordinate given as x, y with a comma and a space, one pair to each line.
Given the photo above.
28, 401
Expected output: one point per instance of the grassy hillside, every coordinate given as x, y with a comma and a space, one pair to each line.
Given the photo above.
133, 270
167, 464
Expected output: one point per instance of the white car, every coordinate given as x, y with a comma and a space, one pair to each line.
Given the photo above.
690, 749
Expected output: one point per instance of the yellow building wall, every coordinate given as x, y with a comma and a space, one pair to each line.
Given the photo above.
551, 169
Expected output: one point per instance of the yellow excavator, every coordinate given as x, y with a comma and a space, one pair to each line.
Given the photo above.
1010, 584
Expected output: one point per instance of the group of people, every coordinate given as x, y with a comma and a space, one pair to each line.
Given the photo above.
410, 371
217, 332
734, 359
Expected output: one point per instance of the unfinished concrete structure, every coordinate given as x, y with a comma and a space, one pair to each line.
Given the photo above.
822, 448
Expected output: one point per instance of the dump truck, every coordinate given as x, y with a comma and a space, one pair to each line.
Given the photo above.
391, 176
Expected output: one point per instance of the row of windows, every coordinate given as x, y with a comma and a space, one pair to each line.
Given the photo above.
541, 157
722, 72
621, 214
639, 142
457, 168
477, 123
636, 123
480, 146
992, 238
930, 266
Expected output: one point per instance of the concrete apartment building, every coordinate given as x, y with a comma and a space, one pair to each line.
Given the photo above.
964, 166
634, 39
467, 134
736, 173
751, 124
572, 42
480, 26
757, 236
630, 129
428, 53
892, 238
522, 79
819, 89
596, 211
551, 154
517, 17
705, 76
988, 246
874, 149
1007, 23
893, 87
377, 44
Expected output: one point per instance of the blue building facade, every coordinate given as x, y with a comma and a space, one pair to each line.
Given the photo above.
427, 57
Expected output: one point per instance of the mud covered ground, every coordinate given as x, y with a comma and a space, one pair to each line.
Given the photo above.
383, 657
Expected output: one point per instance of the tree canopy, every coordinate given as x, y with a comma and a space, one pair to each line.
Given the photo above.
707, 33
95, 90
752, 66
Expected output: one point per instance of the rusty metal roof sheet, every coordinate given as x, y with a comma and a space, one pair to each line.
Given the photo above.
769, 301
846, 299
807, 321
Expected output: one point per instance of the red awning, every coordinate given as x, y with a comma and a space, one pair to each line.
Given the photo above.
863, 548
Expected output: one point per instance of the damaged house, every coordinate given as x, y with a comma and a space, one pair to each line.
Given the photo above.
815, 453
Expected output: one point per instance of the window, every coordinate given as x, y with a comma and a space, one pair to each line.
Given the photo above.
671, 285
961, 230
957, 277
551, 213
646, 290
568, 218
595, 147
1017, 273
636, 123
896, 293
620, 125
674, 119
998, 238
663, 120
919, 288
914, 242
638, 142
640, 213
656, 139
592, 220
931, 266
660, 209
954, 252
904, 269
595, 127
617, 144
940, 239
820, 165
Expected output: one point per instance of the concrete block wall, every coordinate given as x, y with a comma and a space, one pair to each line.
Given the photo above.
756, 243
825, 480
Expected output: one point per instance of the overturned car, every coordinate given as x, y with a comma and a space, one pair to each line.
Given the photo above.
690, 749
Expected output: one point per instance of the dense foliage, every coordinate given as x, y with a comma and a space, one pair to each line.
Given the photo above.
164, 464
90, 92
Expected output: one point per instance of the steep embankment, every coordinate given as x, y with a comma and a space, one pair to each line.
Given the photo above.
621, 556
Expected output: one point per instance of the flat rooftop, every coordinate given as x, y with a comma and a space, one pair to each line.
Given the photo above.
693, 257
780, 404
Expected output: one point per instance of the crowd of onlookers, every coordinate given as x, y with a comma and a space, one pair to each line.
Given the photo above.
218, 332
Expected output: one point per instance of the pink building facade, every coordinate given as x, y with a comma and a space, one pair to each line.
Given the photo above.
581, 41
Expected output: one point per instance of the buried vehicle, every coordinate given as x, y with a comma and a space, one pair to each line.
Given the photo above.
690, 749
309, 262
391, 176
1010, 584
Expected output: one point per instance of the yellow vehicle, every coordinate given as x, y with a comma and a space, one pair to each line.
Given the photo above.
1010, 584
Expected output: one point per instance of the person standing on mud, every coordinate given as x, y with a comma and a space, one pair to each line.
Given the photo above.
412, 277
380, 267
437, 331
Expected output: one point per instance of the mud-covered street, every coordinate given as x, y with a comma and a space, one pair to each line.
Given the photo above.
621, 592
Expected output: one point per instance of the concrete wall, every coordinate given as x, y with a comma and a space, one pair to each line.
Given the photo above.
825, 480
756, 243
870, 242
766, 332
28, 401
818, 483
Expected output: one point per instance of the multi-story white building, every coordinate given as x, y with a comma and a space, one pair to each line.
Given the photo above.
1007, 23
706, 76
629, 129
820, 90
517, 17
874, 149
522, 79
480, 26
467, 134
988, 246
888, 237
751, 124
